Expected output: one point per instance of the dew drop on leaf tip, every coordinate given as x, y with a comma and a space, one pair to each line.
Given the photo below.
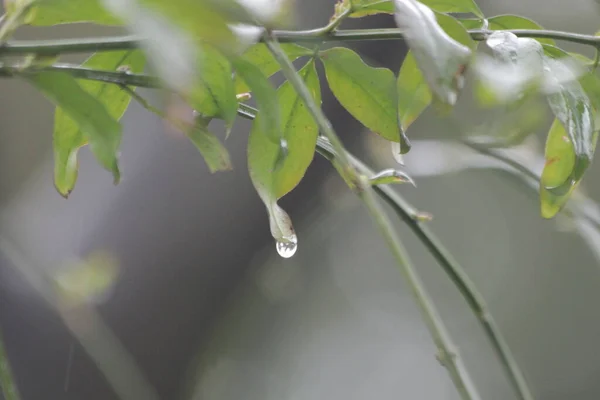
287, 248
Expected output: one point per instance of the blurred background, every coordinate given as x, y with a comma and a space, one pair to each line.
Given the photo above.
208, 310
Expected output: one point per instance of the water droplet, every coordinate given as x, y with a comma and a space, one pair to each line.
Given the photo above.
287, 247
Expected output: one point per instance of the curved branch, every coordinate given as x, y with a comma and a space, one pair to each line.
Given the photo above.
325, 34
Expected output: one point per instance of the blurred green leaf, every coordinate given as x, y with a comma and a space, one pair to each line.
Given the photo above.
569, 148
471, 23
213, 94
368, 93
560, 161
390, 176
260, 56
55, 12
68, 135
214, 153
455, 30
99, 128
369, 7
441, 58
265, 96
413, 93
301, 132
505, 22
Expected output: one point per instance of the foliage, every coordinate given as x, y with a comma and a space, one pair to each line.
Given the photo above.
216, 54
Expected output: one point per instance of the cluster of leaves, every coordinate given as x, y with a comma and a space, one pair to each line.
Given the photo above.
209, 52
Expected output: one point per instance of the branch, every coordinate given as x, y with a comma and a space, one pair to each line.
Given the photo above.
64, 46
447, 354
453, 269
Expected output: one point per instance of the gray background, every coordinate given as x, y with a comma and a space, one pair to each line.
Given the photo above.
202, 289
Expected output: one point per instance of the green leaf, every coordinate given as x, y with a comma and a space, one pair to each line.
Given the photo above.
560, 161
369, 7
368, 93
55, 12
214, 153
301, 132
441, 58
265, 96
471, 23
99, 128
390, 176
213, 94
455, 30
413, 93
260, 56
68, 136
569, 148
505, 22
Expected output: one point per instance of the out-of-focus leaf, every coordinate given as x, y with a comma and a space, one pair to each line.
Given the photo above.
102, 131
213, 94
214, 153
505, 22
89, 279
55, 12
413, 93
515, 65
261, 57
301, 132
369, 7
268, 13
266, 99
441, 58
68, 135
558, 53
368, 93
560, 162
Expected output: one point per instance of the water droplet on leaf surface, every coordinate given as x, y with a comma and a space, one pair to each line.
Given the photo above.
287, 248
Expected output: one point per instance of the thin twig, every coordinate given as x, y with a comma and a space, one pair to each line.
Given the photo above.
64, 46
453, 269
447, 353
7, 379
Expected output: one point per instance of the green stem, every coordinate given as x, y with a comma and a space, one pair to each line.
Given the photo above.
7, 380
325, 34
446, 351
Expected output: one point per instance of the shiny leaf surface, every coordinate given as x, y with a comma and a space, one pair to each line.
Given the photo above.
367, 93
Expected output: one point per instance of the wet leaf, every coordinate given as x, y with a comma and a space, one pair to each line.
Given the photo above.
560, 162
55, 12
514, 67
265, 96
368, 93
213, 94
390, 176
301, 132
68, 136
214, 153
505, 22
261, 57
414, 94
441, 58
99, 128
369, 7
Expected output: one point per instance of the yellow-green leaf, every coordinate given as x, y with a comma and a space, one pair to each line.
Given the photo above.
368, 93
213, 94
215, 154
68, 136
261, 57
265, 96
301, 132
99, 128
413, 93
55, 12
